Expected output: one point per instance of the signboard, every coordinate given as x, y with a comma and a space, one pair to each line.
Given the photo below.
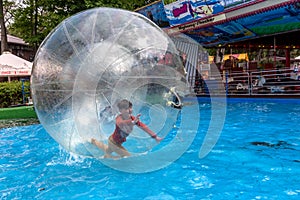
220, 34
196, 24
242, 24
276, 20
232, 3
214, 22
23, 72
156, 13
183, 11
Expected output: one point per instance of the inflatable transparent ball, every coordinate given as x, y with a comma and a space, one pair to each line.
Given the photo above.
90, 62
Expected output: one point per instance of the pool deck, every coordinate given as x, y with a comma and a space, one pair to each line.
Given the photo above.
270, 96
9, 123
17, 116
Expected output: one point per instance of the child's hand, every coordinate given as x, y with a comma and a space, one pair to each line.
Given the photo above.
158, 139
137, 118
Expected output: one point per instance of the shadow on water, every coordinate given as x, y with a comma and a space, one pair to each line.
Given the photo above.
279, 144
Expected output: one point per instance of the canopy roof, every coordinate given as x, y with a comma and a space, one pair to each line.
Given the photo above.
231, 23
9, 60
12, 65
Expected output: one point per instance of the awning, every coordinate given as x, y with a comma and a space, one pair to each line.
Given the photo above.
12, 65
5, 73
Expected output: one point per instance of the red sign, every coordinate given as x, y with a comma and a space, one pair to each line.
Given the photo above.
15, 72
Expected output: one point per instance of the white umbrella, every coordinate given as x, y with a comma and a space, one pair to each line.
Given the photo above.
9, 60
12, 65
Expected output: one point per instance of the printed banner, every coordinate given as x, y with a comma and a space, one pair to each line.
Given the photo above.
183, 11
15, 72
232, 3
220, 34
156, 13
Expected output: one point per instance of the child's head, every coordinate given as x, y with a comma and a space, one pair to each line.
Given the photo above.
124, 104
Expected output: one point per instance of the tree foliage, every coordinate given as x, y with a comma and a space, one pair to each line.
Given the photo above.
124, 4
34, 19
3, 29
6, 6
11, 93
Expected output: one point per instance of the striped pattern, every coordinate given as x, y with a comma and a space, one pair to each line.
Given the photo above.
194, 54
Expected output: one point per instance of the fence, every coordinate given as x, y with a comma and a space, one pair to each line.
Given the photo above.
283, 82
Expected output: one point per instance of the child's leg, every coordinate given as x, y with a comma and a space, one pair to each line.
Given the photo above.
117, 148
100, 145
122, 151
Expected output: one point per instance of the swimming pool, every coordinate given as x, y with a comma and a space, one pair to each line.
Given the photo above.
256, 157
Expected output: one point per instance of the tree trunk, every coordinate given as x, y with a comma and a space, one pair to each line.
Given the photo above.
4, 46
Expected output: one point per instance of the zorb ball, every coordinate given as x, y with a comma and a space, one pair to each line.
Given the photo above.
96, 58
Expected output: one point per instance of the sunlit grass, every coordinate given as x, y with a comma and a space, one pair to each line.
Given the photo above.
22, 112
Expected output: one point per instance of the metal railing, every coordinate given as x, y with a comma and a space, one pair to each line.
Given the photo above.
283, 82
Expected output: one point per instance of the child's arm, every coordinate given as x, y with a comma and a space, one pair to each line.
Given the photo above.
145, 128
151, 133
120, 121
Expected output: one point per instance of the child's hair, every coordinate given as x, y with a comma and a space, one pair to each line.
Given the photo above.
124, 104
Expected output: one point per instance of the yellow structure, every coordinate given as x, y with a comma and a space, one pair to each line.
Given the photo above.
241, 56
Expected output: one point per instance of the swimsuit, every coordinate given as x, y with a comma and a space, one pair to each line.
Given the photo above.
119, 136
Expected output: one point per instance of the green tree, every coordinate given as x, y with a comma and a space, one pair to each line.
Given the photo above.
4, 45
11, 93
124, 4
34, 19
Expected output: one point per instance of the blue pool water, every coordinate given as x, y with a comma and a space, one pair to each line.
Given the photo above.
256, 157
